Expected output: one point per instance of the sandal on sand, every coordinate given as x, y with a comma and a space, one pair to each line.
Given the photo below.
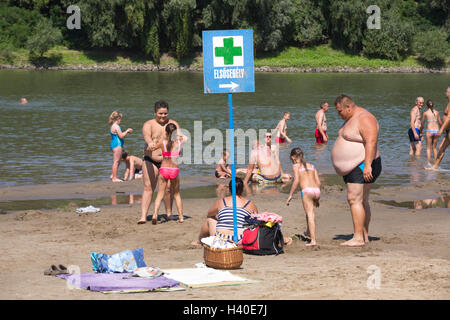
62, 269
141, 222
54, 270
154, 221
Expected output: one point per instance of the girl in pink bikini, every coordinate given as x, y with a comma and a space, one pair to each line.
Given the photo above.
169, 170
307, 177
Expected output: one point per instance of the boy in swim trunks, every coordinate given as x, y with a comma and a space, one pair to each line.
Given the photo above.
307, 177
281, 129
321, 124
153, 132
133, 167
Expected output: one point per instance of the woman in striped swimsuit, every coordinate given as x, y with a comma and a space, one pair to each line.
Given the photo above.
219, 220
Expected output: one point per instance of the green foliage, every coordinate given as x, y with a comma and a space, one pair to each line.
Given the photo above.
152, 45
6, 52
178, 15
16, 24
98, 19
432, 46
44, 37
323, 56
150, 27
348, 23
380, 43
309, 23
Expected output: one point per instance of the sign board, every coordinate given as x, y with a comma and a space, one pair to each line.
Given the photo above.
228, 61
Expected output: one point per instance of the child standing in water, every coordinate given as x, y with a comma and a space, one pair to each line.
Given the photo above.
116, 144
433, 120
307, 177
169, 170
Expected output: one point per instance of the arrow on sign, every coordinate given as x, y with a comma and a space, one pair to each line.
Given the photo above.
231, 85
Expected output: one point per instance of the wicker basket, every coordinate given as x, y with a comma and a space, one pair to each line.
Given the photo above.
216, 258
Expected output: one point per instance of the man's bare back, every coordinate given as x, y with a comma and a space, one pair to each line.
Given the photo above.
321, 119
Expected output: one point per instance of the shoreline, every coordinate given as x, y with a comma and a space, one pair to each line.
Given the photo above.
263, 69
190, 185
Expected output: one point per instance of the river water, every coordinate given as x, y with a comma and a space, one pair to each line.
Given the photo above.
62, 134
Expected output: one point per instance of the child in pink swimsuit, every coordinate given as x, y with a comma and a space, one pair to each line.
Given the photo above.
169, 171
307, 177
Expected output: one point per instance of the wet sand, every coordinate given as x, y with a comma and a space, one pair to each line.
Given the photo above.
410, 247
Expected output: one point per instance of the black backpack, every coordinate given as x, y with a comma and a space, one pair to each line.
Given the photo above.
262, 240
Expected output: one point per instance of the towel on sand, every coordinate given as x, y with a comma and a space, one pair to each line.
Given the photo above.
116, 282
202, 276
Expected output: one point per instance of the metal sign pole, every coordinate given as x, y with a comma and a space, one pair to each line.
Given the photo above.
233, 168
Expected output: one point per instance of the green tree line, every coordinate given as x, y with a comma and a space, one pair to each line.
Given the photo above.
152, 27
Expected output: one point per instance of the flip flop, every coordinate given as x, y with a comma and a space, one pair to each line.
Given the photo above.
141, 222
52, 271
62, 269
154, 221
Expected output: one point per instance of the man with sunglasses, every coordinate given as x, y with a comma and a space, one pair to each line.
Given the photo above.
266, 157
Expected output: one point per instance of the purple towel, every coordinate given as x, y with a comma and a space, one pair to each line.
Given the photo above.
116, 281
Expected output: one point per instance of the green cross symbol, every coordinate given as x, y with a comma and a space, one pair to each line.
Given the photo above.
228, 51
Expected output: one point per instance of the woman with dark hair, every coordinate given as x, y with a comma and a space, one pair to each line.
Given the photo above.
219, 220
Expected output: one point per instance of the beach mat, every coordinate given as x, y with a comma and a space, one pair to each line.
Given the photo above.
205, 277
119, 282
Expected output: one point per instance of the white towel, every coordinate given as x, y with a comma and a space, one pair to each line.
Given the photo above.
87, 209
197, 276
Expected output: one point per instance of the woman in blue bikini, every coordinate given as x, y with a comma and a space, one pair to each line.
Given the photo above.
116, 142
433, 120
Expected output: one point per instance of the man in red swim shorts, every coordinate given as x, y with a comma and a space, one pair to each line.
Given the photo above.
321, 124
281, 129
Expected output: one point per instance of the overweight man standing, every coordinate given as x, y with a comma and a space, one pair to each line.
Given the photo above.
356, 157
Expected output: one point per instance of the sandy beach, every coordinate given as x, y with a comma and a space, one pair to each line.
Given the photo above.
410, 247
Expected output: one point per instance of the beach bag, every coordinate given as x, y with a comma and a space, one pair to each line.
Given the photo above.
263, 240
124, 261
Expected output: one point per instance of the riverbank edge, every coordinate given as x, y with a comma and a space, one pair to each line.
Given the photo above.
263, 69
